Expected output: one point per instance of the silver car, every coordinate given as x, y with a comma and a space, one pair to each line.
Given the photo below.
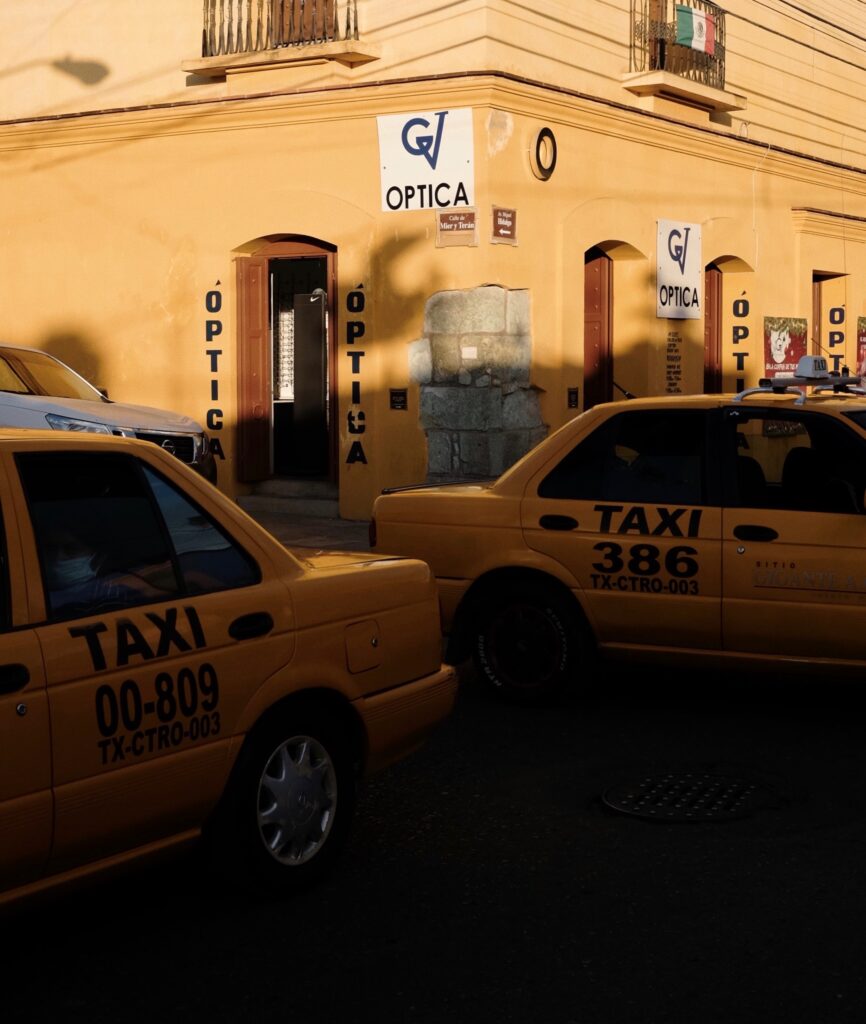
37, 390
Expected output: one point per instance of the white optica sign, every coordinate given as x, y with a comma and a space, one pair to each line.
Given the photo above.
427, 160
679, 281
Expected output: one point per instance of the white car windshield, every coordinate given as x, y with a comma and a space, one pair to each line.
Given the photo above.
34, 373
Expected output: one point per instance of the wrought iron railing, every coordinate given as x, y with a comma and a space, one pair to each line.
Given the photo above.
654, 45
244, 26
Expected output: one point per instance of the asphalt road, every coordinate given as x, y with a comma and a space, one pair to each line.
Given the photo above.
487, 880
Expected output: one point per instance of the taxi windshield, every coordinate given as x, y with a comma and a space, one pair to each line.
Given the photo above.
23, 372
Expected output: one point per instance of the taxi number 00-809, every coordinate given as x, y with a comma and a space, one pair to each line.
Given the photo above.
637, 569
184, 706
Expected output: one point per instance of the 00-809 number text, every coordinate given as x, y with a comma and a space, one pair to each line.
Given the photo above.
192, 691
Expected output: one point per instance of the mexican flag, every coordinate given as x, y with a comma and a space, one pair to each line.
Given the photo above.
696, 29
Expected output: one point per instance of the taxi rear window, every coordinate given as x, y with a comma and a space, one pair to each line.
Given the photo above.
857, 417
652, 456
208, 559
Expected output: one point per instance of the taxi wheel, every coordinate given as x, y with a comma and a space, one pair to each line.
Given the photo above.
528, 643
288, 812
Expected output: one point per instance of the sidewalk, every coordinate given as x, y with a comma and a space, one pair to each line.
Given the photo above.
321, 532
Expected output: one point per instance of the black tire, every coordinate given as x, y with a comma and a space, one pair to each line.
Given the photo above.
527, 644
286, 814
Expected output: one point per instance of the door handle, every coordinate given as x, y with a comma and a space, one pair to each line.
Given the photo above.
748, 532
557, 523
13, 677
247, 627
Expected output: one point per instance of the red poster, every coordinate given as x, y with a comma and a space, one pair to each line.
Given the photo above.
784, 344
861, 346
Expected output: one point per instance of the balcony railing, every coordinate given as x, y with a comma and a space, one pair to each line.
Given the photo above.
245, 26
656, 27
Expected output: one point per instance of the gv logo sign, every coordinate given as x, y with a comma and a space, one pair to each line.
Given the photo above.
424, 145
679, 277
426, 159
678, 247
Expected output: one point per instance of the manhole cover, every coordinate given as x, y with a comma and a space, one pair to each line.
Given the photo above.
688, 796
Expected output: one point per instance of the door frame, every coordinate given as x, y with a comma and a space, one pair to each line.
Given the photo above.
249, 354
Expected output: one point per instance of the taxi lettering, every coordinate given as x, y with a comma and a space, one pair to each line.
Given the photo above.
635, 520
816, 579
129, 641
637, 569
170, 711
158, 737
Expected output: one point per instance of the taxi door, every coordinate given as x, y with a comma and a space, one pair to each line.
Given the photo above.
794, 534
152, 657
25, 741
632, 513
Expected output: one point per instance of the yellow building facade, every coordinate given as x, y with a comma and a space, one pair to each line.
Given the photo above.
374, 244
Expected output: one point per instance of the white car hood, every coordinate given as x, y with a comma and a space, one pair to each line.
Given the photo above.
30, 411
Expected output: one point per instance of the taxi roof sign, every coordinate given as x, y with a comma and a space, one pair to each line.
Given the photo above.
812, 371
812, 368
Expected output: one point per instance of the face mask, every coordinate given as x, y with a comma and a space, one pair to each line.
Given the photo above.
69, 571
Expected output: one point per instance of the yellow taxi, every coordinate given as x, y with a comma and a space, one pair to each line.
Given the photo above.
169, 671
714, 529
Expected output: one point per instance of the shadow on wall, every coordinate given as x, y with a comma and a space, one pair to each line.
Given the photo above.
673, 366
87, 72
389, 259
76, 351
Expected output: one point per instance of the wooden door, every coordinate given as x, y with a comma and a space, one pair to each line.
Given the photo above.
254, 371
597, 356
712, 330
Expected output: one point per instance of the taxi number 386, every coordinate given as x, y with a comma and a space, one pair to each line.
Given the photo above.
637, 569
182, 708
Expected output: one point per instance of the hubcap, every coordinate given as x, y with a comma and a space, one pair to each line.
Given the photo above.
297, 799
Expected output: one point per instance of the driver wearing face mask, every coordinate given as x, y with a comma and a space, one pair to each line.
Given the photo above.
69, 568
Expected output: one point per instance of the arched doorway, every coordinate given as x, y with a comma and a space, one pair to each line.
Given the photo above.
286, 364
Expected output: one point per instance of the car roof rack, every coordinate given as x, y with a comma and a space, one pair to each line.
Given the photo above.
811, 372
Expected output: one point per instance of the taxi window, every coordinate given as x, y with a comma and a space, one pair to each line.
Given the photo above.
656, 456
795, 461
208, 559
98, 533
111, 533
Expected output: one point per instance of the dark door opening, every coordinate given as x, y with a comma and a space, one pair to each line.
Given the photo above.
299, 333
286, 369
